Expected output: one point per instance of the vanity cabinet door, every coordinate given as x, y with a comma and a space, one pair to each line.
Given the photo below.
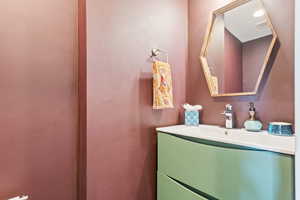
226, 172
168, 189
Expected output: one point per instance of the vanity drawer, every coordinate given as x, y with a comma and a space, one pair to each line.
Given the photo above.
226, 172
169, 189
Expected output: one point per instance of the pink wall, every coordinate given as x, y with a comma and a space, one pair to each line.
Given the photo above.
275, 101
82, 89
254, 53
215, 51
224, 56
121, 139
233, 64
39, 102
38, 140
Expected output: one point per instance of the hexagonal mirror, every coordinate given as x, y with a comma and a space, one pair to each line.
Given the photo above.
237, 47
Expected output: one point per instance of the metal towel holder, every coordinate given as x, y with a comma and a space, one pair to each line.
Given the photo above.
155, 53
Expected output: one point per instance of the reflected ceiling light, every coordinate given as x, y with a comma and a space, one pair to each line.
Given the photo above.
259, 13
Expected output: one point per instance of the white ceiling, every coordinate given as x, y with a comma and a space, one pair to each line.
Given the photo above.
243, 25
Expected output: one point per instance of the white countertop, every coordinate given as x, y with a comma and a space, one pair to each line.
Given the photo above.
260, 140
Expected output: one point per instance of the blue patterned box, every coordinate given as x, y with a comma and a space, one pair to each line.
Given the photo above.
191, 118
280, 128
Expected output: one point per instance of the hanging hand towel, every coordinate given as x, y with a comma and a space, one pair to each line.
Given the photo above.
162, 86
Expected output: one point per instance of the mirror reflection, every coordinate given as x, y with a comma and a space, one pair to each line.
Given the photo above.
237, 49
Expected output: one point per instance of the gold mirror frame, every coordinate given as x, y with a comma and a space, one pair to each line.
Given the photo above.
203, 56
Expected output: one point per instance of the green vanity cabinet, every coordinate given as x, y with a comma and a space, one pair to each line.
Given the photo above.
221, 171
170, 189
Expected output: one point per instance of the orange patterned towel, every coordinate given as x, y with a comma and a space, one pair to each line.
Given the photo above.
162, 86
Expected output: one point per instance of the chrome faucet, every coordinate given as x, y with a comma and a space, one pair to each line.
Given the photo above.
229, 116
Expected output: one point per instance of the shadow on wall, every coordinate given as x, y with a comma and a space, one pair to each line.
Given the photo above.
147, 138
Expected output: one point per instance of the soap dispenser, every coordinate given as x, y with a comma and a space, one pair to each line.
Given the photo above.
252, 124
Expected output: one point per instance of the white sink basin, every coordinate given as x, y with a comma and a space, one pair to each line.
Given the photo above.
260, 140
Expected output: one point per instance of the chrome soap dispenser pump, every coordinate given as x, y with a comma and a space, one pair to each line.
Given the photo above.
229, 116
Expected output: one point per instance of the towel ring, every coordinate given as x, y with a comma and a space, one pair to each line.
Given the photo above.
155, 53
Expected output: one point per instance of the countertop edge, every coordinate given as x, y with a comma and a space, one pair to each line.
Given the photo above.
277, 149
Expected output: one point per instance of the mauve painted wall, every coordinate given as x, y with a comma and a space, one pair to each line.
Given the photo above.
233, 64
38, 140
254, 53
121, 138
82, 89
275, 101
215, 51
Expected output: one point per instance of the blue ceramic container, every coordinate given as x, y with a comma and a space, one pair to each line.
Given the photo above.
191, 118
253, 125
280, 128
